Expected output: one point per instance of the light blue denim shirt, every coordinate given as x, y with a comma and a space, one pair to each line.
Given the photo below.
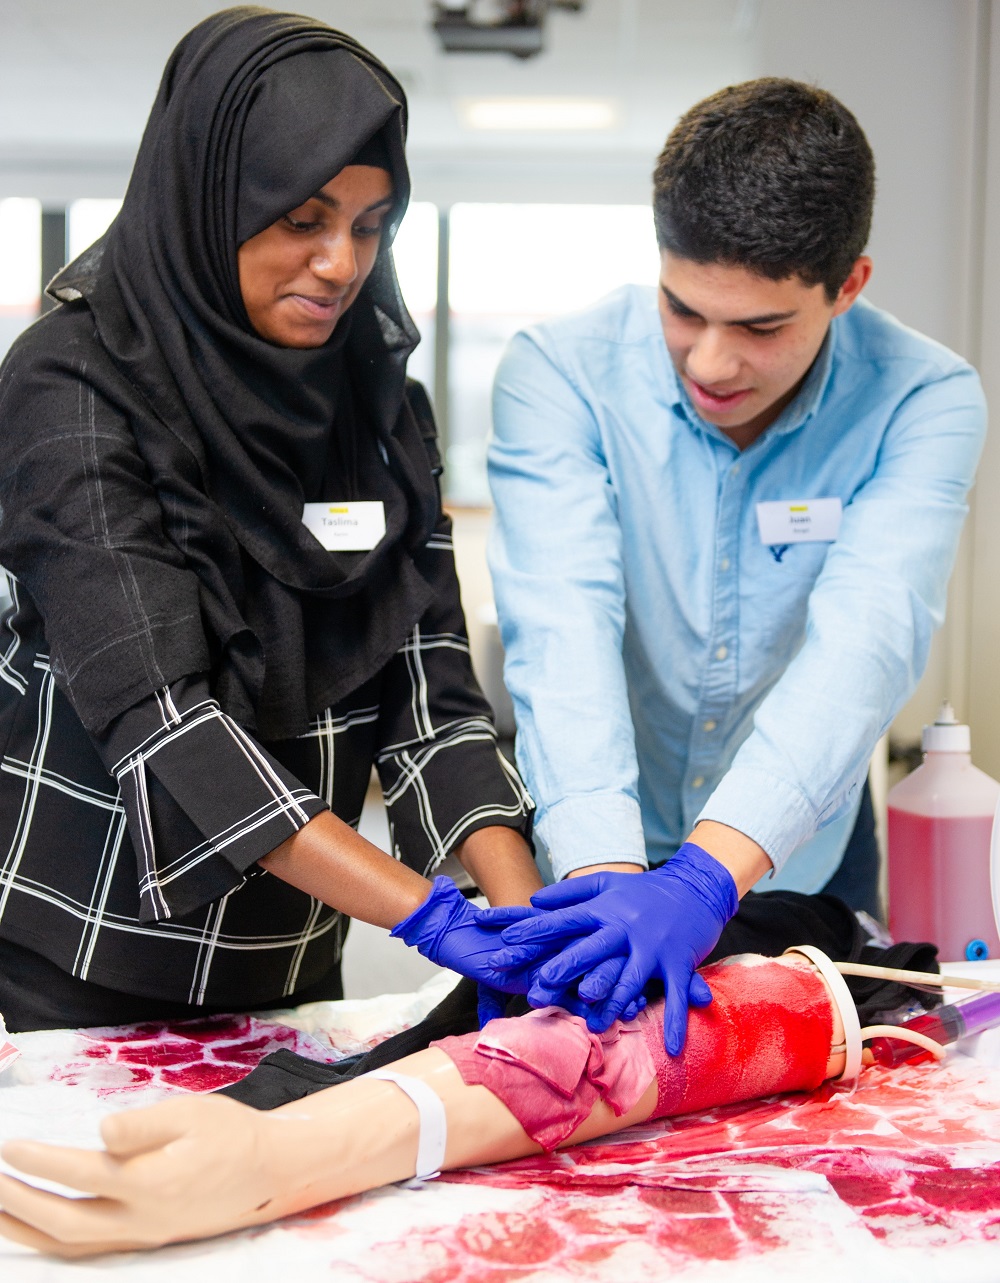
665, 664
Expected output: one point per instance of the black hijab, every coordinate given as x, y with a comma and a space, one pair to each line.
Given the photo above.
256, 111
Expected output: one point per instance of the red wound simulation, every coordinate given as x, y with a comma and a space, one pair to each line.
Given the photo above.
768, 1030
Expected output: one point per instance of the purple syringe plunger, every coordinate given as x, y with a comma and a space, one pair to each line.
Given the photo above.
944, 1024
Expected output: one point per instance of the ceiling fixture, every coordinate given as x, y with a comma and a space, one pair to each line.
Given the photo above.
516, 27
554, 114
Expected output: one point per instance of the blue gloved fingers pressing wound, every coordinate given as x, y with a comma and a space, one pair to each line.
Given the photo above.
699, 995
675, 1011
627, 990
581, 956
667, 920
598, 983
491, 1006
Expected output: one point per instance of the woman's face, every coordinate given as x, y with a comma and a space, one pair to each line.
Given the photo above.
300, 275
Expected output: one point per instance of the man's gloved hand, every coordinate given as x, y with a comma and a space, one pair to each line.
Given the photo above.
453, 933
661, 924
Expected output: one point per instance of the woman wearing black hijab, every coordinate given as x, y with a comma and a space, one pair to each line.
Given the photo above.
200, 667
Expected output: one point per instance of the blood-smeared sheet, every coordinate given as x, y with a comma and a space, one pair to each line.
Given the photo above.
898, 1181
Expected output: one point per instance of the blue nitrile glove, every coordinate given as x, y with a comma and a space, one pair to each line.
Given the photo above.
665, 922
446, 929
453, 933
492, 1004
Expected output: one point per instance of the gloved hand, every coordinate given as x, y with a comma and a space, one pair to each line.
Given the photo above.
447, 930
664, 923
453, 933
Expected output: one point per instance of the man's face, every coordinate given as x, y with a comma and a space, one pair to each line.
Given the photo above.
741, 343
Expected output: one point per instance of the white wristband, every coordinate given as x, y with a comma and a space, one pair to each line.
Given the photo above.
433, 1133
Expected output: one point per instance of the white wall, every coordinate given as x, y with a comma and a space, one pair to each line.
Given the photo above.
908, 70
984, 684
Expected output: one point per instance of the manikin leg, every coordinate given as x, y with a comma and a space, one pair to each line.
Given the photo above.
202, 1165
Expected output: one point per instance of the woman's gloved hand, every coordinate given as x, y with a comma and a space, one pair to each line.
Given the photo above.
453, 933
449, 931
662, 923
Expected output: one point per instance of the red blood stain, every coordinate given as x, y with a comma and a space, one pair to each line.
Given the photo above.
202, 1077
250, 1052
862, 1190
961, 1191
599, 1252
133, 1033
218, 1028
709, 1238
585, 1220
754, 1220
510, 1239
190, 1055
676, 1202
160, 1053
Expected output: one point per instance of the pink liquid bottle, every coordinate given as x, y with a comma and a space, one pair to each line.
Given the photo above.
940, 820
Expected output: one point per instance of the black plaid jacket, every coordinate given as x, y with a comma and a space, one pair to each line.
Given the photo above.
131, 861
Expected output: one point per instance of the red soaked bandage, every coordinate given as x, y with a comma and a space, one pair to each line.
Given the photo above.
768, 1030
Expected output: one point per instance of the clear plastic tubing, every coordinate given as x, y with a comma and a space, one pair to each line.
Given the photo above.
945, 1024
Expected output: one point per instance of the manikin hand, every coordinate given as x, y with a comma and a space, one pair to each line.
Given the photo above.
624, 930
186, 1168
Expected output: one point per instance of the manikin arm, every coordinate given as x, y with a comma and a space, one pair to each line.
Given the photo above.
203, 1165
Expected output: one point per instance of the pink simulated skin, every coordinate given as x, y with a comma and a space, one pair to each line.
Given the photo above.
768, 1030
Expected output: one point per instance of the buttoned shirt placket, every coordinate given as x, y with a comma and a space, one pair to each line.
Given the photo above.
719, 688
719, 684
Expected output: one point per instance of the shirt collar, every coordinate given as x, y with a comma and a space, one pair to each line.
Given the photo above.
800, 409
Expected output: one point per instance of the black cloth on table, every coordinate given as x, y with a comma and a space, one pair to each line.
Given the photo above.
767, 923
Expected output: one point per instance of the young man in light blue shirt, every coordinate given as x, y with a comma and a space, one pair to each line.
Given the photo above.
727, 511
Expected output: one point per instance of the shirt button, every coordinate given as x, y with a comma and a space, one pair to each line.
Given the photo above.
708, 726
734, 471
722, 652
724, 563
698, 781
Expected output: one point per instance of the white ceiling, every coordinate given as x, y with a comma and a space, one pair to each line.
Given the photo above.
77, 78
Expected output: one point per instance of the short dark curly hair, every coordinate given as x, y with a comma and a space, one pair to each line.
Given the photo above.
771, 175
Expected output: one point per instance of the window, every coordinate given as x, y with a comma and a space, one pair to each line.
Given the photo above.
511, 265
86, 222
415, 252
20, 266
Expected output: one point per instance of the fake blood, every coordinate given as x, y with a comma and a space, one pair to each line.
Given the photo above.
194, 1056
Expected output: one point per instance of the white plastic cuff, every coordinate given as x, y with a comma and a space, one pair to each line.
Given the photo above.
845, 1005
433, 1134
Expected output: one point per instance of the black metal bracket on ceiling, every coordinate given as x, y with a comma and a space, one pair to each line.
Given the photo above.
516, 27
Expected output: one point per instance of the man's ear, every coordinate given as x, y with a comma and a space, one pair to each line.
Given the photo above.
858, 277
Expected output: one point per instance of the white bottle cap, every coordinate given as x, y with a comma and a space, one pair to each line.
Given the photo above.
946, 735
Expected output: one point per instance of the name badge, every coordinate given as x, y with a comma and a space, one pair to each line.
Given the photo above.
346, 527
788, 521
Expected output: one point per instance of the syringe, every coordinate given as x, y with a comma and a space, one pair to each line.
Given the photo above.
945, 1024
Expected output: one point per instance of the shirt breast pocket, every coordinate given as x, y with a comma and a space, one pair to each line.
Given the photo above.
798, 563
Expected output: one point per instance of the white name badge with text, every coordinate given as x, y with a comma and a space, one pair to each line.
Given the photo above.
346, 527
786, 521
